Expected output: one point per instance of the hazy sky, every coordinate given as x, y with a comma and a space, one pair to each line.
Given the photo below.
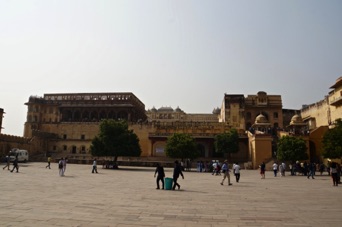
168, 53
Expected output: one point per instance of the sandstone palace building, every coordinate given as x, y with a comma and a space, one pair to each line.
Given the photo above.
64, 124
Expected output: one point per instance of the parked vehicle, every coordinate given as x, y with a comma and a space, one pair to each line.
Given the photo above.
23, 155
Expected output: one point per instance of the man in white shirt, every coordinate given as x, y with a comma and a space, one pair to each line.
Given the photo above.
237, 171
94, 166
275, 168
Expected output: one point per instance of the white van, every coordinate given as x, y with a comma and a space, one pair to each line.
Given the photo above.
23, 155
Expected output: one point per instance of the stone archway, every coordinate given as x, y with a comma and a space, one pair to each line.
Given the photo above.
77, 115
201, 148
313, 153
122, 115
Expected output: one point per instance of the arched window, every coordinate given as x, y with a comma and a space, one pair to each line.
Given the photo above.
122, 115
275, 115
77, 115
67, 115
94, 116
201, 150
85, 116
248, 116
103, 115
111, 115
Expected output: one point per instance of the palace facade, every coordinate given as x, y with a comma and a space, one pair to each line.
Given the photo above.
63, 124
240, 111
320, 116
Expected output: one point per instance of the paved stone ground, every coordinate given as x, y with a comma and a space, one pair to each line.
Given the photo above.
37, 196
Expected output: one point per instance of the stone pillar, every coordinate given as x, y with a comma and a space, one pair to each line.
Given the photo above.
260, 149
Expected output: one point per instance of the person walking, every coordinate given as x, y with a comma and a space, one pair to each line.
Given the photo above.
160, 176
188, 165
8, 162
225, 171
214, 165
275, 169
65, 160
176, 172
15, 164
321, 168
333, 170
237, 172
311, 168
262, 170
94, 166
49, 162
60, 167
283, 169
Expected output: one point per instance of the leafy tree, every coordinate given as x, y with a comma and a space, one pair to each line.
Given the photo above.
181, 145
291, 148
227, 142
332, 141
114, 139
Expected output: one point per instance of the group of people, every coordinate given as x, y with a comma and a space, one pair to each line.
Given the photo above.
177, 171
305, 169
216, 168
15, 164
226, 172
62, 165
281, 168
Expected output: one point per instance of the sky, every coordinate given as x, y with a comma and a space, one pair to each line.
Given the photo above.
169, 53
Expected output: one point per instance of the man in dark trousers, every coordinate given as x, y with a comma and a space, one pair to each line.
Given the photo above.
94, 166
49, 162
8, 162
15, 164
161, 175
176, 172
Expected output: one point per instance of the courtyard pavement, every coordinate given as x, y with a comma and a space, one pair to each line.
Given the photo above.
127, 197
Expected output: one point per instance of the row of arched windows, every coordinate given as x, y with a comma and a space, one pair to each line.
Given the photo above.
78, 116
249, 115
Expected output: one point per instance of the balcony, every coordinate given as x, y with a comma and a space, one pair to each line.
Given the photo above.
337, 101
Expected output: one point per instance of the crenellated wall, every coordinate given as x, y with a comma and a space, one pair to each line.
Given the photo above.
7, 142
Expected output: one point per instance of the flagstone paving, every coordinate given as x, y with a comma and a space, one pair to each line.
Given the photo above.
127, 197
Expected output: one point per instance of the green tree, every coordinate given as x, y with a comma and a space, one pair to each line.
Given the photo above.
115, 139
291, 148
182, 146
227, 142
332, 141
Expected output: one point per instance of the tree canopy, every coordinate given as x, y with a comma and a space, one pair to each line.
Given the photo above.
115, 139
332, 141
227, 142
182, 146
291, 148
